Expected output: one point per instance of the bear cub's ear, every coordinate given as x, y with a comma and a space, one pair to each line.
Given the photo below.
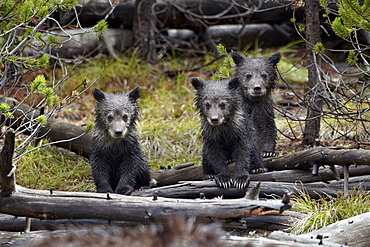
238, 59
134, 94
98, 95
233, 83
274, 58
197, 84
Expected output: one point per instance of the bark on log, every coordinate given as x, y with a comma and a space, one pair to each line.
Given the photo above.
82, 205
192, 190
265, 222
353, 231
7, 178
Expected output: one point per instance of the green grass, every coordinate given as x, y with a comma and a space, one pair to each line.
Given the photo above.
52, 167
325, 211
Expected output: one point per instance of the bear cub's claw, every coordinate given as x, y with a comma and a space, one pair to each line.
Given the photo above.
241, 182
208, 177
258, 170
269, 154
224, 181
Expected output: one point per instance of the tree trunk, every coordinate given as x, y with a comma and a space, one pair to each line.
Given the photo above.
144, 30
7, 178
313, 98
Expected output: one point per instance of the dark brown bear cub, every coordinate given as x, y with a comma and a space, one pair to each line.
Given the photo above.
258, 78
116, 158
228, 135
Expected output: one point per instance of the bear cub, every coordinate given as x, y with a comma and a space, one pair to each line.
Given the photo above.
117, 160
258, 79
228, 135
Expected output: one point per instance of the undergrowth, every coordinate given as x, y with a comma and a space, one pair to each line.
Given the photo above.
56, 168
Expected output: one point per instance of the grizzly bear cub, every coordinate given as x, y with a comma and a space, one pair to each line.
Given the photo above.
228, 135
117, 160
258, 79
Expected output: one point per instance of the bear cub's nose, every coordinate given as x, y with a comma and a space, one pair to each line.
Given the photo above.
257, 89
214, 120
118, 132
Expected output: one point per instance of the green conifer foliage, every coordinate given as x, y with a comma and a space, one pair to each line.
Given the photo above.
353, 16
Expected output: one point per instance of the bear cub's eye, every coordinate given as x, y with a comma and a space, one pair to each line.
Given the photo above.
222, 105
248, 76
207, 105
264, 76
110, 118
125, 117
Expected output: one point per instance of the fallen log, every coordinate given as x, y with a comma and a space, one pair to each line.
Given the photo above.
353, 231
83, 205
193, 15
319, 156
271, 222
64, 134
193, 189
78, 43
11, 223
189, 14
171, 176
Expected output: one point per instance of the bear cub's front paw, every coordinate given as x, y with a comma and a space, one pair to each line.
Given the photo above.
124, 190
104, 189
